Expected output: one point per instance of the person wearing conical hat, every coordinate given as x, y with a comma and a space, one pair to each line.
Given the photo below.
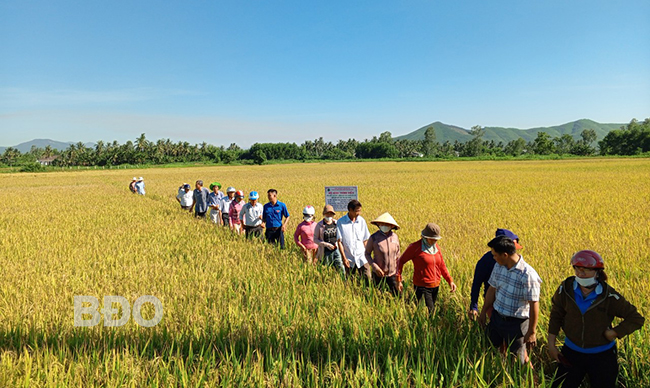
382, 252
428, 266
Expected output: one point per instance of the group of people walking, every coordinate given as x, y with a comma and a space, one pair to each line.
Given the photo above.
584, 305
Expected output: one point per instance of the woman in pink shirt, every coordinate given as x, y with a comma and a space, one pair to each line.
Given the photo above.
304, 235
233, 212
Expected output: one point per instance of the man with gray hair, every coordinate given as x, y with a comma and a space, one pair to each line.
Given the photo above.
200, 204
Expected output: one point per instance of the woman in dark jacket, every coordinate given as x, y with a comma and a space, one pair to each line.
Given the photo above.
584, 306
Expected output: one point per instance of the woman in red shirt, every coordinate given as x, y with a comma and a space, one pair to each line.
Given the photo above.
428, 266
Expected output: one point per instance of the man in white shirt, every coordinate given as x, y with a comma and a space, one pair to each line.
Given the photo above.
185, 197
251, 216
353, 234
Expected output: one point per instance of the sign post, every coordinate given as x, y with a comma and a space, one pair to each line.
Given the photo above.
340, 196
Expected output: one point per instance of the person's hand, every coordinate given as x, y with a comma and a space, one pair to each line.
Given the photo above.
530, 339
453, 287
610, 334
346, 263
473, 314
284, 227
329, 246
554, 352
482, 318
379, 271
400, 286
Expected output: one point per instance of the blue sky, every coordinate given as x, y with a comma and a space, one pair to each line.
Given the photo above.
257, 71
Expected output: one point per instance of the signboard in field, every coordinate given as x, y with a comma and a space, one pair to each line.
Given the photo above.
339, 196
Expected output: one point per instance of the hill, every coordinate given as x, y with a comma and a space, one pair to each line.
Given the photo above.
445, 132
42, 143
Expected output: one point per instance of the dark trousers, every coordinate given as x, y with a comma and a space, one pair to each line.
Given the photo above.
186, 207
253, 231
389, 282
225, 220
508, 331
364, 273
275, 236
199, 214
430, 295
602, 369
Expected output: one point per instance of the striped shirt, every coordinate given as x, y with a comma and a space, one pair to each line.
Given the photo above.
515, 287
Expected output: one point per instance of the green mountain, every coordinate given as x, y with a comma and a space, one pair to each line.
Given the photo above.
42, 143
451, 133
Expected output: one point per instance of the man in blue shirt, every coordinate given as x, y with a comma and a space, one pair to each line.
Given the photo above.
274, 210
483, 271
200, 204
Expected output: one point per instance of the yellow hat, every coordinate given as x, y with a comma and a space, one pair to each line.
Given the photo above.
385, 218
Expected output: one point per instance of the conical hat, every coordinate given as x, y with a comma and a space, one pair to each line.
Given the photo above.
385, 218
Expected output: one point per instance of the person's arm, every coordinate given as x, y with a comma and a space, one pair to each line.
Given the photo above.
479, 278
632, 320
242, 212
296, 238
285, 213
178, 197
445, 272
193, 202
487, 304
318, 236
530, 338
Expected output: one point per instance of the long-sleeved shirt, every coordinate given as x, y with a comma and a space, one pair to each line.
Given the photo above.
585, 329
139, 187
353, 236
305, 234
325, 234
233, 212
382, 251
214, 199
427, 267
482, 274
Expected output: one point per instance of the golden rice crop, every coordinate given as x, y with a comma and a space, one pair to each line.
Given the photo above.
245, 314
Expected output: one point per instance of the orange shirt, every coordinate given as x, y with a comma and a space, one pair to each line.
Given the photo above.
427, 268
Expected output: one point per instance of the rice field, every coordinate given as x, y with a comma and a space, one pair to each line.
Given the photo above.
238, 313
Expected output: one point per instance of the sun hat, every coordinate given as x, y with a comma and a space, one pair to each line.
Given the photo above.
510, 235
213, 184
230, 190
253, 195
431, 231
587, 259
141, 179
239, 194
186, 186
328, 209
135, 179
385, 218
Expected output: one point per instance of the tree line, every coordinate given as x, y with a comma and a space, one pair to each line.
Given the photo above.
631, 139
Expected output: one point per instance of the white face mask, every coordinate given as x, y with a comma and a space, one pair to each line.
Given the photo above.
328, 219
586, 282
307, 218
385, 228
